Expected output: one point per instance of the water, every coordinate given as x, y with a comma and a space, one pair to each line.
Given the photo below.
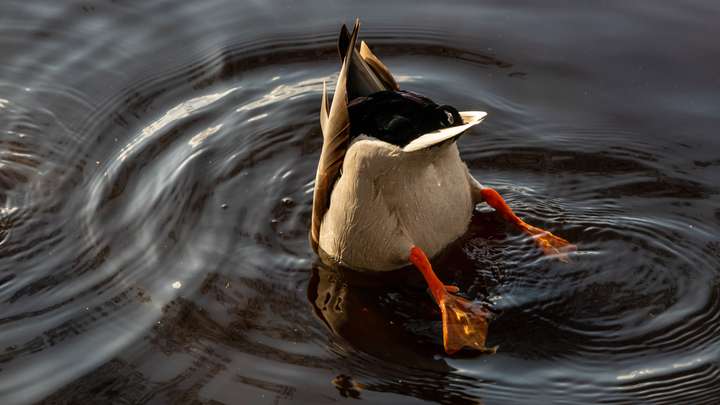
156, 168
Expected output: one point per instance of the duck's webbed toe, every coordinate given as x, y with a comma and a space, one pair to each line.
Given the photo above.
465, 323
550, 244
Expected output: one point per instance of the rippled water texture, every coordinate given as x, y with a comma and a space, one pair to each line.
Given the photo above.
156, 167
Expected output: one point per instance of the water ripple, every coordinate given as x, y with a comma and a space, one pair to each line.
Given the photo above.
156, 168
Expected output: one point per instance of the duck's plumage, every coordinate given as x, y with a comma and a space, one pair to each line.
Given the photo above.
388, 200
393, 188
368, 75
398, 117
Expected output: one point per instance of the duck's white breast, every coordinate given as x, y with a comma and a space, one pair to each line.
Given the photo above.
387, 200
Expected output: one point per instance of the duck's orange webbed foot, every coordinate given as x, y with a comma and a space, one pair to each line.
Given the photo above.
549, 243
464, 323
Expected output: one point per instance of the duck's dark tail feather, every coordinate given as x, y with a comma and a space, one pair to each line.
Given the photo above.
366, 74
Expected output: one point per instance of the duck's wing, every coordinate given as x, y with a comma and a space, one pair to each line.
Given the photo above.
357, 78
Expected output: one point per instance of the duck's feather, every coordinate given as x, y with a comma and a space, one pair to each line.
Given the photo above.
356, 78
362, 79
470, 118
388, 200
382, 72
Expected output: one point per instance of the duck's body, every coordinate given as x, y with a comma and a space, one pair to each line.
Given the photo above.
388, 200
391, 188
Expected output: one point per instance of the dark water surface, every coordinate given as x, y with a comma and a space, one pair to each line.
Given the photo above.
156, 167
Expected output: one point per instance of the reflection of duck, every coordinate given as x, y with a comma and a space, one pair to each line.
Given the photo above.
391, 187
360, 316
400, 343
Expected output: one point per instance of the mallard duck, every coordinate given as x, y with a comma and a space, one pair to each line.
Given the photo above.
391, 189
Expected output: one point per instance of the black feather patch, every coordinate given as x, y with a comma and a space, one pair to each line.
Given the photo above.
398, 117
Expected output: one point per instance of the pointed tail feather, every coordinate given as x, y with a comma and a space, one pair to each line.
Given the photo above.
379, 68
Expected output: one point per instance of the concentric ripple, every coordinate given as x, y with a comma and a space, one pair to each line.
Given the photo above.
156, 171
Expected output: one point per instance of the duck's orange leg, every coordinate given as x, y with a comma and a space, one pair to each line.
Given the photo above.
549, 243
464, 324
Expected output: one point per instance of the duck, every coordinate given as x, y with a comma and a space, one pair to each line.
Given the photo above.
391, 190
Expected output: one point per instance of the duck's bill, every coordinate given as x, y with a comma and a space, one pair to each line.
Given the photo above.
470, 118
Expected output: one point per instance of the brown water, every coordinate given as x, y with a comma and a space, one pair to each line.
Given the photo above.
156, 167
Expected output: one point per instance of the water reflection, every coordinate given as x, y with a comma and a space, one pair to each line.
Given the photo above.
156, 168
377, 315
